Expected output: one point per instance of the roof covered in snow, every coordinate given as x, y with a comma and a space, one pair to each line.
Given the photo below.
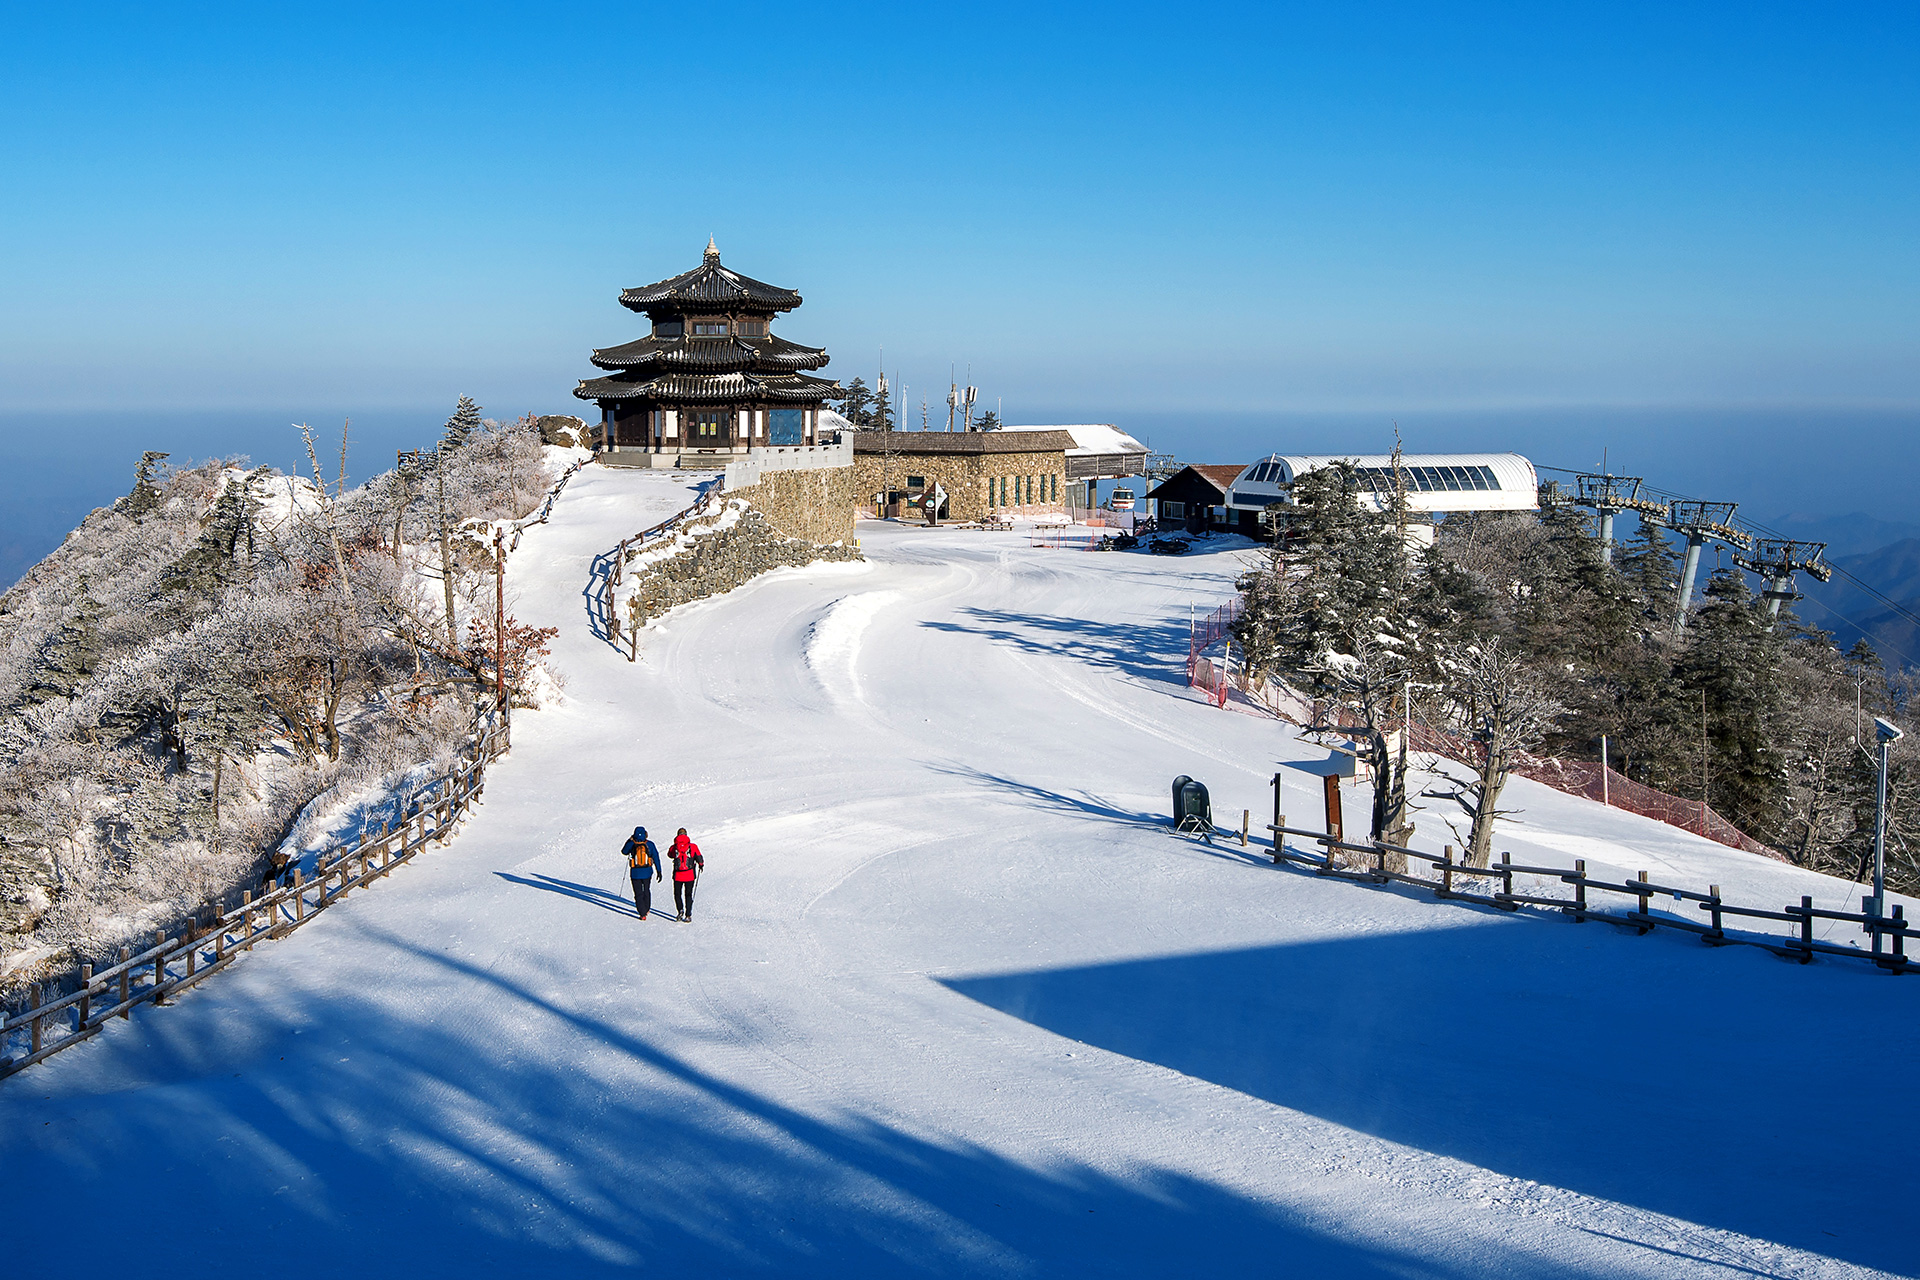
1093, 438
1432, 481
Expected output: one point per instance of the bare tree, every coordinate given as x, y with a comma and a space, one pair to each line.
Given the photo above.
1506, 712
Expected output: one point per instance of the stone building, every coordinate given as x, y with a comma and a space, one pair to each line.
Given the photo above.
711, 381
982, 472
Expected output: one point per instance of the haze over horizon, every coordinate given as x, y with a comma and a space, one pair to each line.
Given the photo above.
1680, 237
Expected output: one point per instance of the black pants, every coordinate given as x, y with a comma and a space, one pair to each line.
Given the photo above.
683, 897
643, 895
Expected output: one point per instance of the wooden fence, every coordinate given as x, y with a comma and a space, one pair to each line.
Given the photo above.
215, 938
1379, 863
546, 507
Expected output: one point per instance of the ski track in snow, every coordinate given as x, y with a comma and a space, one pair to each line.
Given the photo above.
955, 1001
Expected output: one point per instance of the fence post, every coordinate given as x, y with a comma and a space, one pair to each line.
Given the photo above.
1806, 929
1644, 896
1580, 891
299, 898
1899, 939
1506, 879
126, 982
1713, 909
246, 920
1279, 819
159, 963
1446, 873
39, 1002
86, 994
1246, 817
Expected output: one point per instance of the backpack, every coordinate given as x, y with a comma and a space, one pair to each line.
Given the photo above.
638, 858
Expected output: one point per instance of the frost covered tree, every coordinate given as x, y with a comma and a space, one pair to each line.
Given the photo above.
1504, 713
145, 498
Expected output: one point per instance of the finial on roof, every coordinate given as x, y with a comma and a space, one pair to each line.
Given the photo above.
713, 253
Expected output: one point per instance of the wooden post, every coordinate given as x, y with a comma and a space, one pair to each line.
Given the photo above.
1643, 895
86, 993
1334, 826
1506, 880
246, 920
39, 1000
193, 944
1899, 939
1279, 839
159, 963
1446, 872
299, 898
1713, 906
219, 941
1246, 817
1806, 930
126, 982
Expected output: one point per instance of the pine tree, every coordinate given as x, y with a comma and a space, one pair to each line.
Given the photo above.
1729, 672
145, 498
989, 421
882, 417
1651, 568
461, 426
224, 553
856, 402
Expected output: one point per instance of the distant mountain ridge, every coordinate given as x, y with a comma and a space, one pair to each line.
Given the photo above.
1851, 611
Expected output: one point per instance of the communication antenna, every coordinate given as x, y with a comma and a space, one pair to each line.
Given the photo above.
967, 396
953, 397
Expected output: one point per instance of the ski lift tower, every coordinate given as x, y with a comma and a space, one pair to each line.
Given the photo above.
1700, 522
1777, 560
1608, 495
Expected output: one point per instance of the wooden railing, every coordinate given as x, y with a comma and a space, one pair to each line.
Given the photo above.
1377, 862
546, 507
216, 938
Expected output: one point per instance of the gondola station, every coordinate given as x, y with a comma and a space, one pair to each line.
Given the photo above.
712, 380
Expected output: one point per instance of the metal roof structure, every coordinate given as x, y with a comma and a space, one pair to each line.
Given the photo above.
1433, 482
728, 354
711, 388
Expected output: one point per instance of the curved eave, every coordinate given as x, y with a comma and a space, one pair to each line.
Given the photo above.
710, 388
732, 354
711, 286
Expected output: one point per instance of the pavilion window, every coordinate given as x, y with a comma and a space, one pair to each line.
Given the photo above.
669, 328
709, 328
753, 328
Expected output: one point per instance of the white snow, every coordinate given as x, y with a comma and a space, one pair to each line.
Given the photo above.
956, 1001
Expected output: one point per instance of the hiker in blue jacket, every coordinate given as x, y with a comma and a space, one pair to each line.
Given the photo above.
643, 865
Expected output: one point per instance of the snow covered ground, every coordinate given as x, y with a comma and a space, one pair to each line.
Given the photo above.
956, 1002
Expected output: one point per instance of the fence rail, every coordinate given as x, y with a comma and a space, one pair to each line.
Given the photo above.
1378, 863
214, 939
546, 507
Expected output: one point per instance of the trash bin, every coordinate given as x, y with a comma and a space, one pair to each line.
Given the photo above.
1192, 807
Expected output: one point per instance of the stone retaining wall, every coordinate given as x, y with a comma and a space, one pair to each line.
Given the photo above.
815, 505
737, 542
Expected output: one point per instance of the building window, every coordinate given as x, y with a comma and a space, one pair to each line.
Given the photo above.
709, 328
916, 482
706, 427
753, 328
785, 426
669, 328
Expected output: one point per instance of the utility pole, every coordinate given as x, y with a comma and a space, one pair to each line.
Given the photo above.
1888, 734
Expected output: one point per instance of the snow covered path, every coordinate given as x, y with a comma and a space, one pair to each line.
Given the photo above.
956, 1002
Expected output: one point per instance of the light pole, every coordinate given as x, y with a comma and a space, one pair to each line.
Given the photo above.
1888, 734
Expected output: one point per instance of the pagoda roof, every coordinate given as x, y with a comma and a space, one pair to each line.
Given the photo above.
710, 388
709, 287
710, 355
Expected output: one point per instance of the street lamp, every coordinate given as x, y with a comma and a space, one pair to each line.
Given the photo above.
1888, 734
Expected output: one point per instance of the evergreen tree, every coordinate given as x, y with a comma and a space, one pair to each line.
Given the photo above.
881, 418
1651, 568
461, 426
145, 498
1729, 672
989, 421
224, 553
856, 403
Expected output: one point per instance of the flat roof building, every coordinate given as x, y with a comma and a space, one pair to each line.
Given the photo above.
1435, 483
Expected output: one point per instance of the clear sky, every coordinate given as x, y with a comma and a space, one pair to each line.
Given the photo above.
1184, 216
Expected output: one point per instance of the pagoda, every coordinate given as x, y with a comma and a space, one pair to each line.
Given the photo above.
711, 379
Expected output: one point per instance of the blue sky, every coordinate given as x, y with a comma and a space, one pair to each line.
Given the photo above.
1231, 223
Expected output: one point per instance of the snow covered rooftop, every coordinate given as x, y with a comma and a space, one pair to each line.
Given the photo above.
1092, 438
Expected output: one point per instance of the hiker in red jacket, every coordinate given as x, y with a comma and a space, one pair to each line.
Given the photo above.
687, 866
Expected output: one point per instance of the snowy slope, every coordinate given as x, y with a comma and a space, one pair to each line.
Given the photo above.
956, 1002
